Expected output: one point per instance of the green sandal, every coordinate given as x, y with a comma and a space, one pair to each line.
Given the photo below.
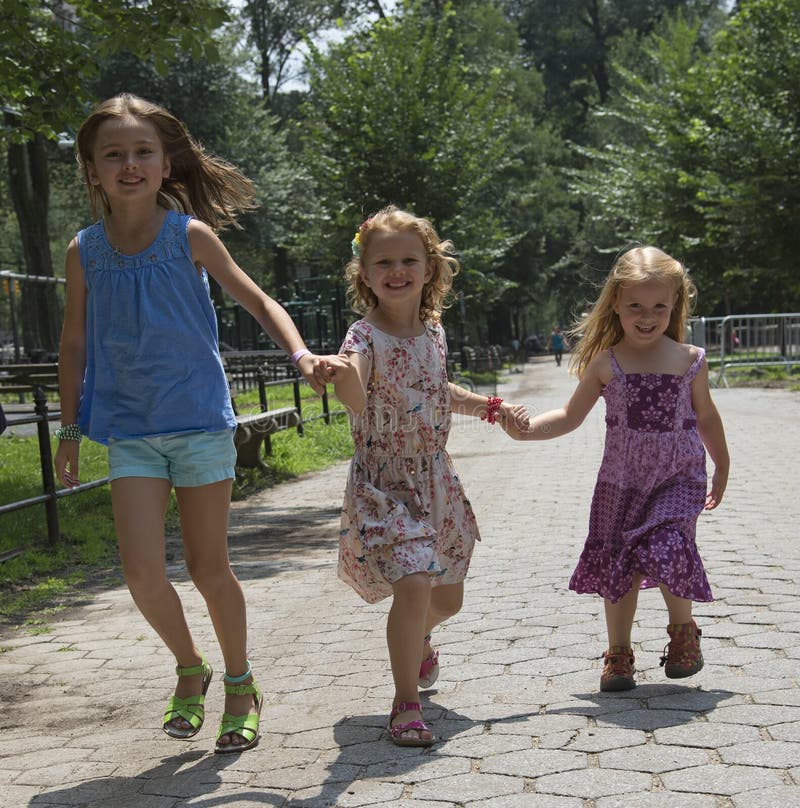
245, 726
191, 708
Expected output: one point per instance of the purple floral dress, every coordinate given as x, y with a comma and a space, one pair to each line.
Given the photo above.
650, 490
404, 506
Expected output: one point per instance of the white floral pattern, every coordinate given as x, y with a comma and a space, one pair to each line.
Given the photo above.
404, 509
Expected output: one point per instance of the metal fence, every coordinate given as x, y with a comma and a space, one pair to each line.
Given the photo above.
49, 497
747, 340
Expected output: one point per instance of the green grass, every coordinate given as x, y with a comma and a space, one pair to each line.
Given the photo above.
42, 576
767, 376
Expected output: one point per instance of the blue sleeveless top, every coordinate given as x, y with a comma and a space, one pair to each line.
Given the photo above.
152, 355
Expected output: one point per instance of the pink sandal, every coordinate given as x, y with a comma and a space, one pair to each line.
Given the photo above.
429, 670
396, 731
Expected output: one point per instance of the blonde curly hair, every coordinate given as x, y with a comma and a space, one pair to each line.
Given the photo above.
441, 261
599, 328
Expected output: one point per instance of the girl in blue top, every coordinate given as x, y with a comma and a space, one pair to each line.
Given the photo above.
140, 371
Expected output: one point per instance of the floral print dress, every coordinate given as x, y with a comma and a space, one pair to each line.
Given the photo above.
404, 506
650, 490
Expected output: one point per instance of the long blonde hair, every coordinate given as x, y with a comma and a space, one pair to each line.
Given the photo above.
199, 183
599, 328
440, 259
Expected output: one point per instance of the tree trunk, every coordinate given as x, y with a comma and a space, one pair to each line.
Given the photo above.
30, 189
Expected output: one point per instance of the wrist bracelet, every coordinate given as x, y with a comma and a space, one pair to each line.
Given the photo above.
492, 408
69, 432
298, 355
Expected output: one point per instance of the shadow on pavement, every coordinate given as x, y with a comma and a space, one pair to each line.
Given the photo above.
152, 786
384, 761
648, 706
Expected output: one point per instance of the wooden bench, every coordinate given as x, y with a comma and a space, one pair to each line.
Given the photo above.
254, 429
22, 380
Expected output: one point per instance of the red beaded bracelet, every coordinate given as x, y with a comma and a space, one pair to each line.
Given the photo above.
492, 408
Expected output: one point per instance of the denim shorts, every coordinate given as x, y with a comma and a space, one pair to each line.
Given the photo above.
186, 460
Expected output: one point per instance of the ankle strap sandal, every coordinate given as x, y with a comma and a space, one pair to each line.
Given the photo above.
245, 726
191, 708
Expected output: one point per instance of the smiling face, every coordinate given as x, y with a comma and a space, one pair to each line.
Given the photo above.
644, 310
395, 267
128, 159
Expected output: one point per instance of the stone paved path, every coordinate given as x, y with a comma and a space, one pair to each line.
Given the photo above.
517, 707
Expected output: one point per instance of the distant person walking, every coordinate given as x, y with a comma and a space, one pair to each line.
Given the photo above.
651, 486
556, 343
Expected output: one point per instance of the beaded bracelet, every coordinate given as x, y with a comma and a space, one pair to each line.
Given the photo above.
69, 432
492, 408
298, 355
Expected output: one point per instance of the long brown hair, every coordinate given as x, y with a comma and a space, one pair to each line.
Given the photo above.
199, 183
600, 328
442, 262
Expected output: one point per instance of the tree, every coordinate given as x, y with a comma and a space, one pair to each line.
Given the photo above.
48, 54
277, 28
572, 42
398, 115
704, 157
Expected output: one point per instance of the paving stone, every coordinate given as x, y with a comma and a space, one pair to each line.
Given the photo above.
654, 758
768, 797
720, 779
772, 754
757, 715
660, 799
467, 788
707, 736
534, 762
528, 800
517, 711
592, 784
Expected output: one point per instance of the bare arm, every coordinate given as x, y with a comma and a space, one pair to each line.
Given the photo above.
209, 252
349, 373
554, 423
512, 417
712, 433
71, 364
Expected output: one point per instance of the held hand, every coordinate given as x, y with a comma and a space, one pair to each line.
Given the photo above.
718, 485
66, 463
314, 371
513, 418
339, 366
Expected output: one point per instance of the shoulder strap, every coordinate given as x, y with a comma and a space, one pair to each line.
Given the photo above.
695, 366
614, 364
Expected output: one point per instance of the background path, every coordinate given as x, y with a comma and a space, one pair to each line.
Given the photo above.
516, 706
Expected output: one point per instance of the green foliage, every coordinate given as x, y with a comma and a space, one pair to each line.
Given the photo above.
701, 157
50, 51
398, 116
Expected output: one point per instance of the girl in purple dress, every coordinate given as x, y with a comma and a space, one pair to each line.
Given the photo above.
652, 481
407, 530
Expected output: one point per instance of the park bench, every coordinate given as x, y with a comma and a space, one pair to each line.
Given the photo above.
254, 429
22, 380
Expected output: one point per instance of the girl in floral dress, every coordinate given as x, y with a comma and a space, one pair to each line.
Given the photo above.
652, 481
407, 529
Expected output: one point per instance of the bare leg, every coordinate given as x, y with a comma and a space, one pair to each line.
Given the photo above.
405, 630
680, 609
446, 600
139, 505
619, 616
204, 523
